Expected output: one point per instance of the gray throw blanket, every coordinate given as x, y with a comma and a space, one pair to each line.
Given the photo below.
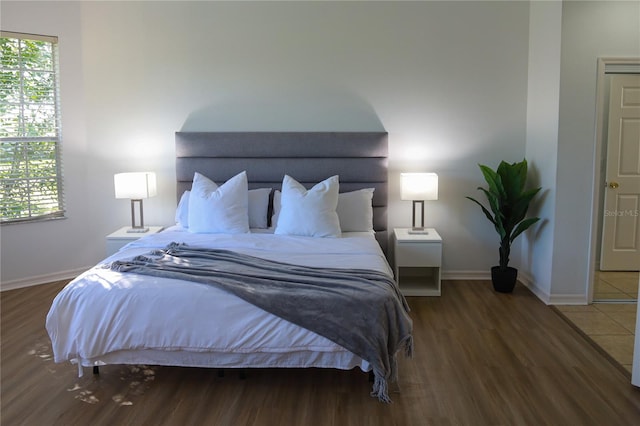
361, 310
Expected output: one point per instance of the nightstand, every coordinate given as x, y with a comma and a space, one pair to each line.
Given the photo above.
418, 260
121, 237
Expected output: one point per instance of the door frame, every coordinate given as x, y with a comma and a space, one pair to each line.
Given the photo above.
601, 118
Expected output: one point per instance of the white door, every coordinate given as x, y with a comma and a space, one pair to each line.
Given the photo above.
620, 249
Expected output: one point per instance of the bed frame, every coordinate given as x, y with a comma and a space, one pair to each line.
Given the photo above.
359, 158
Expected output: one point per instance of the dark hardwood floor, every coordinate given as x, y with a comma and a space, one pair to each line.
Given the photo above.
481, 358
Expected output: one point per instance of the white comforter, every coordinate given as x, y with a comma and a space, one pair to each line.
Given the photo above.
109, 317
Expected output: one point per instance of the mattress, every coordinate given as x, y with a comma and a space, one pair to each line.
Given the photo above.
107, 317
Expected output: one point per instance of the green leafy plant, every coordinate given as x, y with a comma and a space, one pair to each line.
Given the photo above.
508, 203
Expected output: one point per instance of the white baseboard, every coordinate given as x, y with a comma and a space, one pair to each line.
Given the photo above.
527, 281
41, 279
568, 299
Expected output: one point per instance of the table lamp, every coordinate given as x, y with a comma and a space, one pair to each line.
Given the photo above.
135, 186
418, 187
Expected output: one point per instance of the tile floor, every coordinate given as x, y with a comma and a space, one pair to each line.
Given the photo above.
610, 325
611, 285
610, 322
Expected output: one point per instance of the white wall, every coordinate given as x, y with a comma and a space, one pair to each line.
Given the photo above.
543, 95
589, 30
447, 80
47, 250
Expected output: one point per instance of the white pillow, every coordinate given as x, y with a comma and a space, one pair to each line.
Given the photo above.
258, 207
277, 204
223, 209
309, 213
355, 210
182, 211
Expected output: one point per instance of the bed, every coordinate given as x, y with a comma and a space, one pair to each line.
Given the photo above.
258, 271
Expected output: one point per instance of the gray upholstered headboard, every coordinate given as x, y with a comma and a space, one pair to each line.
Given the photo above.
359, 158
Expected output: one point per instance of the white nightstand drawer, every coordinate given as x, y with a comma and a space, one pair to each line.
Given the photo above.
118, 239
418, 259
418, 254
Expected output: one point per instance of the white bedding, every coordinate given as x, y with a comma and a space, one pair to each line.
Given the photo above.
105, 317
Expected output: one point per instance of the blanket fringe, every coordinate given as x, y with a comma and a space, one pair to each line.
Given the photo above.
408, 346
380, 383
380, 388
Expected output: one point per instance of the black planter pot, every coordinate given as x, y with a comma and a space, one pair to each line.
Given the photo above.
504, 281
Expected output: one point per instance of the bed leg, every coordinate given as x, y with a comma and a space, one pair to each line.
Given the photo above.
96, 370
242, 374
220, 373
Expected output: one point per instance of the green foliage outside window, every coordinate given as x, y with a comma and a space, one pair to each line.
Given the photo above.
30, 178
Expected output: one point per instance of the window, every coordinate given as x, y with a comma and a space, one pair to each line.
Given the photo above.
30, 168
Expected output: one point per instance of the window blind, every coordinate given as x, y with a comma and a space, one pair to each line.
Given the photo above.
30, 134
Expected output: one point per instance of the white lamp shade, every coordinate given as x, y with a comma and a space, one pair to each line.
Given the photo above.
135, 185
418, 186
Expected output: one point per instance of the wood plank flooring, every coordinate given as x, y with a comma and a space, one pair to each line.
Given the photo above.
481, 358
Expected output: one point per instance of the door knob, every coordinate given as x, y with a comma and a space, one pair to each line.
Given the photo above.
613, 185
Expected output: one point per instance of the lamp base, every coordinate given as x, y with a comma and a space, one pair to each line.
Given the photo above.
422, 231
137, 230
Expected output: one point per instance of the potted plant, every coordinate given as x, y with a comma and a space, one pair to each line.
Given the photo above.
509, 202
